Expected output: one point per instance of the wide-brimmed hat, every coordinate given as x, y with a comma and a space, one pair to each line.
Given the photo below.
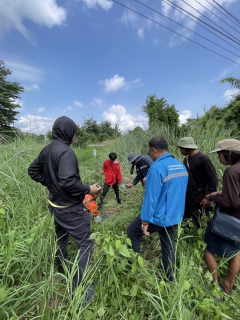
134, 157
188, 143
227, 144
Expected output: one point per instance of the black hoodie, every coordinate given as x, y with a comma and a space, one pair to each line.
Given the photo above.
57, 166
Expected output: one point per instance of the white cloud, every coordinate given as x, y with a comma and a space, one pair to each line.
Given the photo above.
117, 82
221, 76
133, 84
117, 114
34, 124
31, 87
22, 71
130, 18
78, 103
186, 114
113, 84
40, 110
141, 33
189, 6
45, 13
68, 108
98, 102
229, 94
104, 4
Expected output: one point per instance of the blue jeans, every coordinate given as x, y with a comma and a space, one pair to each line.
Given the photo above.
166, 236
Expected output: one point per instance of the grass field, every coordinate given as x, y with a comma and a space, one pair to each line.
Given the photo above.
31, 288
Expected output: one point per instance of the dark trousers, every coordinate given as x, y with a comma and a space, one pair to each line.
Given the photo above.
166, 236
105, 191
194, 212
74, 221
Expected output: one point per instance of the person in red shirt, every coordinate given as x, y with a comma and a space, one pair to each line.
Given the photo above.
91, 205
113, 177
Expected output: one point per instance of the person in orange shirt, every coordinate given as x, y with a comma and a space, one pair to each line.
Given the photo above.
91, 205
113, 177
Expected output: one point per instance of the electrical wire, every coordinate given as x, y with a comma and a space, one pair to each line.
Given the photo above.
175, 32
200, 24
231, 15
186, 28
223, 13
210, 20
216, 15
203, 22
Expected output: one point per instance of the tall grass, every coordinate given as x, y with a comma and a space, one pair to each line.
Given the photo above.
31, 288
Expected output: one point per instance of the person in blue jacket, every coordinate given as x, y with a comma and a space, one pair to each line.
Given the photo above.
163, 204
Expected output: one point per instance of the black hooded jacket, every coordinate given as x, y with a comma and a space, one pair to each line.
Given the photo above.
56, 167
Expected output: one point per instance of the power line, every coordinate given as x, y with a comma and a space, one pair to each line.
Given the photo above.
204, 22
200, 24
227, 12
211, 20
185, 27
175, 32
222, 13
216, 16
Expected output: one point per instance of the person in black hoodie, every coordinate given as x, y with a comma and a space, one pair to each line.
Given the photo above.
56, 168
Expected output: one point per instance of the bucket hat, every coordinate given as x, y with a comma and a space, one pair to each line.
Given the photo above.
188, 143
227, 144
134, 157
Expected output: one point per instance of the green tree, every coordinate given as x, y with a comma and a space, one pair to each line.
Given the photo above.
232, 110
82, 137
49, 135
233, 81
92, 128
160, 112
9, 92
107, 129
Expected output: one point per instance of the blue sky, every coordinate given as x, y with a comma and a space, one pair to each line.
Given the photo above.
96, 59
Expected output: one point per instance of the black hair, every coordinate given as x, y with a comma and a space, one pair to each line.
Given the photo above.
158, 143
233, 158
112, 156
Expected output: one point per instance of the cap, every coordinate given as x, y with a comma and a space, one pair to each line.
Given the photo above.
134, 157
188, 143
227, 144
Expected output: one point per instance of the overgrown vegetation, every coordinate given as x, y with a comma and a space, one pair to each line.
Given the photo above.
31, 288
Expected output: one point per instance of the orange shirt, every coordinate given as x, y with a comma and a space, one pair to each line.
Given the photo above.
91, 205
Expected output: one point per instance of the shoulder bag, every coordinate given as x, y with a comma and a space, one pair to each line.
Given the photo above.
226, 226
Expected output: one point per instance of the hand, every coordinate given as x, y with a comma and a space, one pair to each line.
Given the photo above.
94, 189
212, 194
144, 180
102, 172
208, 196
129, 185
205, 203
144, 228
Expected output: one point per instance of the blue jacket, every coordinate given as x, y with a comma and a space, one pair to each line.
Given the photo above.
164, 197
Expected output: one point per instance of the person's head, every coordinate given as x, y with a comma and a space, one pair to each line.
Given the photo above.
64, 129
112, 156
134, 158
157, 147
187, 145
228, 151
